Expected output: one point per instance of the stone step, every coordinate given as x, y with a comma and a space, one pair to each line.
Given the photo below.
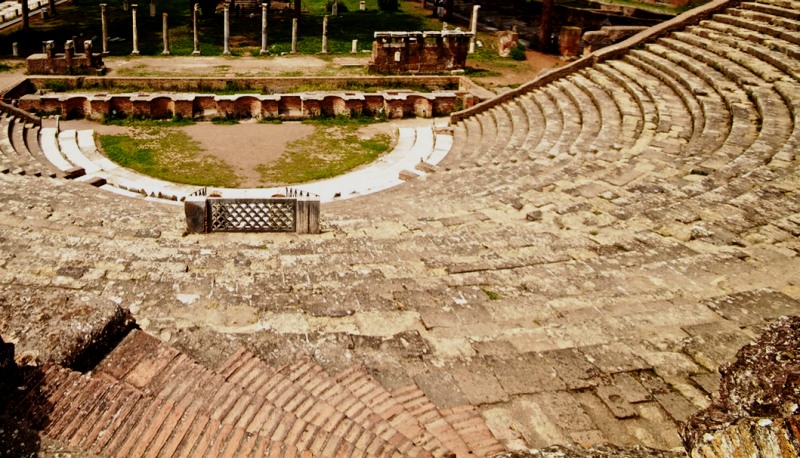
788, 25
489, 121
736, 18
48, 143
774, 10
591, 122
673, 125
637, 113
536, 124
609, 116
68, 145
520, 125
553, 129
703, 101
570, 118
32, 145
760, 46
776, 123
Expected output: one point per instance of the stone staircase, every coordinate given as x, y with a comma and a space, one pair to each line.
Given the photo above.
146, 398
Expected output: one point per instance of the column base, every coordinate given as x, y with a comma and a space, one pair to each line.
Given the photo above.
226, 53
263, 52
134, 53
195, 53
165, 53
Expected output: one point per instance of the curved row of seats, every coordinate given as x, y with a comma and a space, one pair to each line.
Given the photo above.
717, 99
73, 154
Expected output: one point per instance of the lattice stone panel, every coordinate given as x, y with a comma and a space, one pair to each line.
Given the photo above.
252, 215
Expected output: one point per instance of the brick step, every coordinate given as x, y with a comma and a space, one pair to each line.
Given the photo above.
110, 419
360, 384
305, 382
155, 369
413, 399
470, 425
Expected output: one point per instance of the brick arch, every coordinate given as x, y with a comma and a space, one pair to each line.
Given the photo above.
162, 108
247, 106
334, 105
76, 107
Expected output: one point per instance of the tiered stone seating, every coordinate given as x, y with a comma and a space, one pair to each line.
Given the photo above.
575, 284
149, 399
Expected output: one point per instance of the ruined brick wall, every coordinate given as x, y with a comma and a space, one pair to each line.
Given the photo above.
41, 64
419, 52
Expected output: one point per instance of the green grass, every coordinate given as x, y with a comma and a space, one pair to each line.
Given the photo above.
491, 295
331, 150
167, 154
147, 122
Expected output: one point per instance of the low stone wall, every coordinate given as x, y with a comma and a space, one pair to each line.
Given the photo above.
607, 36
392, 104
257, 85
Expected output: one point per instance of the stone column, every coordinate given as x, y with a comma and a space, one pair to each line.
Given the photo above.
474, 28
135, 51
152, 9
87, 51
335, 8
354, 48
294, 35
26, 15
196, 11
264, 14
226, 29
125, 5
15, 49
165, 32
325, 35
69, 52
104, 22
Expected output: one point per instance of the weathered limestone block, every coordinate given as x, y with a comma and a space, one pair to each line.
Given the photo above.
757, 404
569, 41
195, 209
506, 42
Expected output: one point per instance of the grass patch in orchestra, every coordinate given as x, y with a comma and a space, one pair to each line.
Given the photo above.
334, 148
167, 154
